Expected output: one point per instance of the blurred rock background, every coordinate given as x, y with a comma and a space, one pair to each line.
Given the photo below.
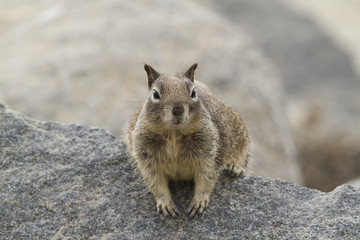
81, 61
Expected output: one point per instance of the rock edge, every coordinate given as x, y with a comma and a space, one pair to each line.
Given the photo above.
75, 181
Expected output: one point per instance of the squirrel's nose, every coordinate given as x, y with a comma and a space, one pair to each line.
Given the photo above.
178, 110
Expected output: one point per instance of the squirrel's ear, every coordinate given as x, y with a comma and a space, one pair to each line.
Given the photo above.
191, 72
152, 74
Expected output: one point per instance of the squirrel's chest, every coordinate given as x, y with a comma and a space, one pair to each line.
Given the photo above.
177, 155
179, 161
173, 148
178, 147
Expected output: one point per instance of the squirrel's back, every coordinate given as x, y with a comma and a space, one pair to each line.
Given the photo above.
234, 139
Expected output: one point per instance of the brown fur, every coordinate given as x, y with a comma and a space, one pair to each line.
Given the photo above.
180, 137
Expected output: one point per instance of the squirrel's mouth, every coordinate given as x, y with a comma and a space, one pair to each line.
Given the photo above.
177, 121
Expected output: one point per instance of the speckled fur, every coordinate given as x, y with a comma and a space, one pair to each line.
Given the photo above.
210, 138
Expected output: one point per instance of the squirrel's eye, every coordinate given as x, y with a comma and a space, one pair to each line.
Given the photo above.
156, 94
193, 93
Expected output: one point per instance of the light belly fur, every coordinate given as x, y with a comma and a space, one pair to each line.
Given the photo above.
177, 167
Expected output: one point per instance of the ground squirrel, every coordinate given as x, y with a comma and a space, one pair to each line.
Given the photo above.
183, 132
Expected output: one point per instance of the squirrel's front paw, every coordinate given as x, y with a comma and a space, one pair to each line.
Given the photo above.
198, 205
166, 207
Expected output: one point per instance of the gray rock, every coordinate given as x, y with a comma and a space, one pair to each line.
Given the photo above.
355, 182
82, 61
321, 87
74, 181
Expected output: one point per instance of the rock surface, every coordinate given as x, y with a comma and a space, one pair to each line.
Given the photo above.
74, 181
82, 61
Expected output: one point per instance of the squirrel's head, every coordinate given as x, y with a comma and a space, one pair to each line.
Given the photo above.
172, 99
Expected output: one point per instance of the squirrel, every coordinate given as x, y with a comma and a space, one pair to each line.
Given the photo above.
184, 132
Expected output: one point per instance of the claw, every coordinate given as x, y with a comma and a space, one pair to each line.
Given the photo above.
197, 207
167, 208
172, 211
235, 171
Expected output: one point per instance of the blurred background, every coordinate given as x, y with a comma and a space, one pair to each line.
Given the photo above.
290, 67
